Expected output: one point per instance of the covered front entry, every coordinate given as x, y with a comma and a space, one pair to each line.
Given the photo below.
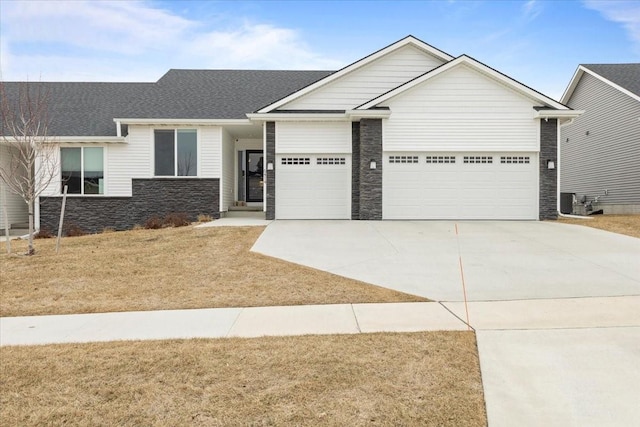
460, 186
313, 186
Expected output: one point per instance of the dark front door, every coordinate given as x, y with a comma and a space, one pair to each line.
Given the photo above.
254, 180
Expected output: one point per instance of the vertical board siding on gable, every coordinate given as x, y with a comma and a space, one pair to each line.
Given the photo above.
228, 181
369, 81
461, 110
313, 137
609, 157
16, 207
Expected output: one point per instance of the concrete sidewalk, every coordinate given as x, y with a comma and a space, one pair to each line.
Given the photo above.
228, 322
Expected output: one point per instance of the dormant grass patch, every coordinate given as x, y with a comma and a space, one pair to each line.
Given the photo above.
621, 224
169, 268
421, 379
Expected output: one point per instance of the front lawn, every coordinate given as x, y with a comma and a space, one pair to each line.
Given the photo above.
621, 224
421, 379
171, 268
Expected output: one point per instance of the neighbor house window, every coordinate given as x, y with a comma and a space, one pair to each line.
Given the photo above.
82, 170
176, 152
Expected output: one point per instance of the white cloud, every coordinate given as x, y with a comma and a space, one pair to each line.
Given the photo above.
531, 10
626, 13
114, 41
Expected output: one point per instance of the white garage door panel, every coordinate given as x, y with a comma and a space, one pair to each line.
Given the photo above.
460, 190
316, 190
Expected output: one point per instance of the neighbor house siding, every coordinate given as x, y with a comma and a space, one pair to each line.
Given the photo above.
461, 110
367, 82
313, 137
608, 158
17, 211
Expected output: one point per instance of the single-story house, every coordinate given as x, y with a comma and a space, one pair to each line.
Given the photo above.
407, 132
600, 150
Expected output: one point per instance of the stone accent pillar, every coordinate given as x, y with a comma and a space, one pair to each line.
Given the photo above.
271, 174
355, 170
370, 179
548, 177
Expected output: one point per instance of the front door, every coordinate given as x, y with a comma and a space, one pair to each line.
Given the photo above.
254, 182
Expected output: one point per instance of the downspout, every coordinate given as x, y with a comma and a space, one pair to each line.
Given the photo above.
264, 165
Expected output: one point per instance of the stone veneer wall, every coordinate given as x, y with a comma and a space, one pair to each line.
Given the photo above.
370, 192
548, 177
271, 174
150, 197
355, 170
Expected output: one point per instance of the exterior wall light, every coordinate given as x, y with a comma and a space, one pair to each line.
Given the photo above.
372, 164
269, 166
551, 164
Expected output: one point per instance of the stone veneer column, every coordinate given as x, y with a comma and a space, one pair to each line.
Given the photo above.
370, 179
355, 170
548, 177
271, 174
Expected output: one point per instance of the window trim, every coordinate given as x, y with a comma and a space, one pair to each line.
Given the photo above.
104, 172
175, 153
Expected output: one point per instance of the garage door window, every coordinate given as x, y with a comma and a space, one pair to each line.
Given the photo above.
403, 159
295, 160
441, 159
515, 159
478, 159
330, 161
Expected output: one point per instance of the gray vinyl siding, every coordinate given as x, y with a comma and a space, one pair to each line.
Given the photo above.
608, 158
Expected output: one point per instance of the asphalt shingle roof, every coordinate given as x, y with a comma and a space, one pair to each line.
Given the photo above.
88, 109
624, 75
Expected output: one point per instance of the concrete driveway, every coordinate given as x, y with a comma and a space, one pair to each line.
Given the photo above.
502, 260
556, 307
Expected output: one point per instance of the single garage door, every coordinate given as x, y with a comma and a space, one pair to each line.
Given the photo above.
460, 186
314, 186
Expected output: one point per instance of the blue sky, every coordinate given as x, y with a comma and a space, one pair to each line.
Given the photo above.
539, 43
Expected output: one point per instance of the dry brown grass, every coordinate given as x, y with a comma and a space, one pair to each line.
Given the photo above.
621, 224
425, 379
173, 268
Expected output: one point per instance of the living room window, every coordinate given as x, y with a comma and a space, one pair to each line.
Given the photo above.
82, 170
176, 152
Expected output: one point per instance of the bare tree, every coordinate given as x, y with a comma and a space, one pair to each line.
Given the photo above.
32, 162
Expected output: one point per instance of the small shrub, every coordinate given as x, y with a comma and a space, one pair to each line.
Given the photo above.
154, 223
204, 218
44, 233
179, 219
74, 231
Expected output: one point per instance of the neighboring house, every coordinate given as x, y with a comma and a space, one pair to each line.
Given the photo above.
408, 132
600, 151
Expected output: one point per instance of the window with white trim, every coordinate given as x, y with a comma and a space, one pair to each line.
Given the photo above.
82, 170
478, 159
403, 159
441, 159
295, 160
515, 159
331, 161
176, 152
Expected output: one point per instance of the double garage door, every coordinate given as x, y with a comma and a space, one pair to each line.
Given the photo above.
313, 186
415, 186
460, 186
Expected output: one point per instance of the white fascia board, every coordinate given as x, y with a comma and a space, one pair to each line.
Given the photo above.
557, 114
368, 114
74, 139
472, 63
291, 117
358, 64
582, 70
201, 122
